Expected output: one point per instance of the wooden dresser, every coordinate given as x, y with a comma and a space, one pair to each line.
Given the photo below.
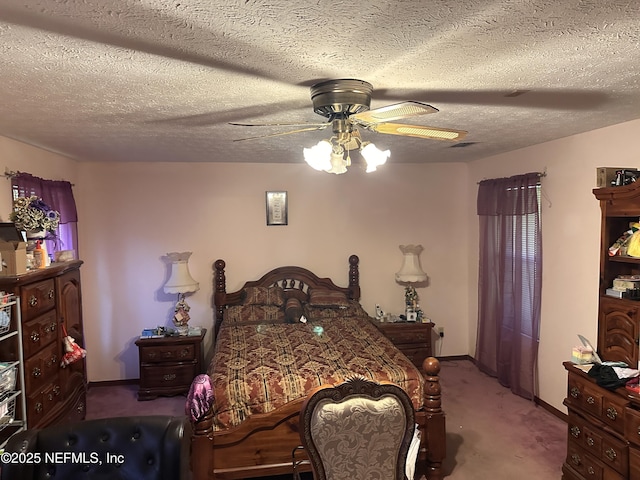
603, 437
412, 339
50, 298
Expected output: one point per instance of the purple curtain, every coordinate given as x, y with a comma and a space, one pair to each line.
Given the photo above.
58, 194
509, 281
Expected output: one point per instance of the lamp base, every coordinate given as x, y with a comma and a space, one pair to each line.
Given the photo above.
182, 330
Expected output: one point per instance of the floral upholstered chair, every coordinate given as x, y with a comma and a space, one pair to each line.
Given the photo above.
358, 429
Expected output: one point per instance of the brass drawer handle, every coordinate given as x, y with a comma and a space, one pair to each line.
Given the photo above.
590, 441
152, 354
184, 353
591, 471
50, 295
38, 408
575, 458
33, 301
169, 376
611, 454
574, 392
591, 400
36, 372
80, 407
35, 337
612, 414
575, 431
56, 390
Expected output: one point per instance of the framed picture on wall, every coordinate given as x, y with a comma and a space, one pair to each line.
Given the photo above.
277, 208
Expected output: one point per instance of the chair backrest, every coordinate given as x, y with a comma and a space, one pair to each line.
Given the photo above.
358, 429
154, 447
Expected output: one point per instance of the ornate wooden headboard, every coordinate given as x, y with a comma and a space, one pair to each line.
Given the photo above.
295, 281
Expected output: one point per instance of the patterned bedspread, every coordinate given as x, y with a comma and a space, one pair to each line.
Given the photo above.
258, 367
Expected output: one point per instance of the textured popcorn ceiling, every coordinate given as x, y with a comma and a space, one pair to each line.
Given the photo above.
159, 80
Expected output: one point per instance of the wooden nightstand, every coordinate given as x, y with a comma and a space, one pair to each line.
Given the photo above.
168, 365
412, 339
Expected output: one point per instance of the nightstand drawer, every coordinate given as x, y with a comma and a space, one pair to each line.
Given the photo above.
408, 335
159, 376
167, 353
416, 355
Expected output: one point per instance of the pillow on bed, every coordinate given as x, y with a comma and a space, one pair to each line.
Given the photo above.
263, 296
318, 312
327, 298
292, 310
254, 314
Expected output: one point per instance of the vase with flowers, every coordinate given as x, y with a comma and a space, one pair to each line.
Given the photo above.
35, 217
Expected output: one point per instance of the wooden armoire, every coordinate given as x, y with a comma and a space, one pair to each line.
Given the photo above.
50, 305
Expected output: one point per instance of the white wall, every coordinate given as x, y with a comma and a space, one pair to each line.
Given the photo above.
571, 239
131, 214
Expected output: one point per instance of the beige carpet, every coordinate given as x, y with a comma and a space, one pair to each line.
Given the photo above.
491, 433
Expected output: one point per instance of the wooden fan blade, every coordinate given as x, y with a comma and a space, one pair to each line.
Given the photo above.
419, 131
393, 112
324, 125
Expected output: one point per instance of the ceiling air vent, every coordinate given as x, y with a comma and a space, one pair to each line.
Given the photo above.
463, 144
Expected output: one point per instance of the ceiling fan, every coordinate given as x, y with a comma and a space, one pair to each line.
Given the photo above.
345, 103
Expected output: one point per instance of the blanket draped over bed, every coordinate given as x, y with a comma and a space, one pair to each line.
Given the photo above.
261, 367
275, 340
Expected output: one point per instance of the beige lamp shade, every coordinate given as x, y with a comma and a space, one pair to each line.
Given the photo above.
180, 280
411, 271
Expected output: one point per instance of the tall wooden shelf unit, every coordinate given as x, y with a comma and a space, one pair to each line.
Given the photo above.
604, 425
618, 319
50, 299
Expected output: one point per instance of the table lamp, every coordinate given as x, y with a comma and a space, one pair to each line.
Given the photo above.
411, 272
180, 282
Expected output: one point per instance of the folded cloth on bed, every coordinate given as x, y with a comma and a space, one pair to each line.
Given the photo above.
200, 398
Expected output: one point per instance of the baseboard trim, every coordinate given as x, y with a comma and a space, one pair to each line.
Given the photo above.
541, 403
551, 409
114, 383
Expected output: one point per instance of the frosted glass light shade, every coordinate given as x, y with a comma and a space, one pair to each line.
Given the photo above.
374, 156
411, 271
180, 280
319, 156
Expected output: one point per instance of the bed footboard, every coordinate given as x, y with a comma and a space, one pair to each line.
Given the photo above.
263, 444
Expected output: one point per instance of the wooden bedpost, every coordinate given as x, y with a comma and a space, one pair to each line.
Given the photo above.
201, 447
354, 278
435, 430
220, 294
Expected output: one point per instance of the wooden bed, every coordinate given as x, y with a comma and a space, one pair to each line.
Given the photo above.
262, 444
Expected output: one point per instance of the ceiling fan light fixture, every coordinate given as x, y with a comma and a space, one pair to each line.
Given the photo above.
373, 156
319, 156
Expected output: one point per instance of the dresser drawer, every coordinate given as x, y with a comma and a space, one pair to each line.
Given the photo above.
37, 298
41, 368
634, 464
583, 463
44, 401
167, 353
39, 333
606, 406
606, 448
162, 376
